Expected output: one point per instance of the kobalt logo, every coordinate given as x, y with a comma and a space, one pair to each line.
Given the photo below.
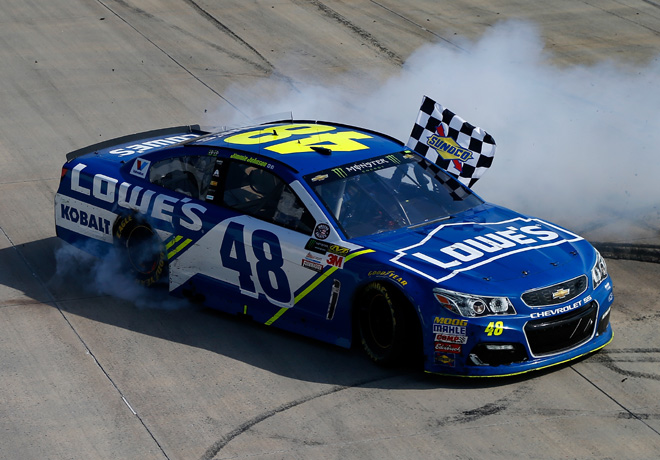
89, 220
135, 197
480, 249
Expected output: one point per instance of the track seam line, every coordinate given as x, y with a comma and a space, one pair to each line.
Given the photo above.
173, 59
417, 25
54, 302
631, 413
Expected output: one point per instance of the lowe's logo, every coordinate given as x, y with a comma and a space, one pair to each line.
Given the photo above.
499, 240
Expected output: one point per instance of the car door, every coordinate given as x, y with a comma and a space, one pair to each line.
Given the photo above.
253, 253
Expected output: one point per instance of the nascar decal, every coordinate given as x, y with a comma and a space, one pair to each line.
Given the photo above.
488, 242
308, 136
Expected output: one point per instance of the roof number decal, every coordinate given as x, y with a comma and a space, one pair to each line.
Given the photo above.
313, 136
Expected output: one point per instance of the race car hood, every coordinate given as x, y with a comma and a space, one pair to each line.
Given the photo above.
489, 248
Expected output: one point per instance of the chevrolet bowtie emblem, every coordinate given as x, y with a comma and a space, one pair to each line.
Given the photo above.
560, 293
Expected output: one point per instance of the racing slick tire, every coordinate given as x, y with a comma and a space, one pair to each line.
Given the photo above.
141, 249
385, 324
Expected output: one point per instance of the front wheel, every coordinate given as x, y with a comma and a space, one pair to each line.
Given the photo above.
385, 324
141, 249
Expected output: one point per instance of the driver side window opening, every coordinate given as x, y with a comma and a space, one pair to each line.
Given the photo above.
188, 175
260, 193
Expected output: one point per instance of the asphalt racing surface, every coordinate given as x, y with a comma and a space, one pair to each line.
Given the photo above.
91, 368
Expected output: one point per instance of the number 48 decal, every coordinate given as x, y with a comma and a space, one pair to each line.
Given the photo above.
270, 274
495, 328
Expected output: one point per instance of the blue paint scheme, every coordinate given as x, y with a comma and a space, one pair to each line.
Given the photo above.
270, 275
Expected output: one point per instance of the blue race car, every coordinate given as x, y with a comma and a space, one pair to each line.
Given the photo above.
344, 235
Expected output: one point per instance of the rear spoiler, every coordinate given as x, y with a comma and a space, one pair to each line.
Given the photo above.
156, 133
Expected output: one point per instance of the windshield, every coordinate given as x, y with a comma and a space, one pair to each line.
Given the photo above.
389, 192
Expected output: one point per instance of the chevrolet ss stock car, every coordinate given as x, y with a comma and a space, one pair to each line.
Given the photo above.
344, 235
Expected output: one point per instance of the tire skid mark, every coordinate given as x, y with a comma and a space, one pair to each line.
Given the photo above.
620, 16
265, 69
488, 409
610, 358
270, 67
363, 34
223, 28
212, 451
421, 27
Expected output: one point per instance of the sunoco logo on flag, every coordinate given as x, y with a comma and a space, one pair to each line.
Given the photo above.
462, 149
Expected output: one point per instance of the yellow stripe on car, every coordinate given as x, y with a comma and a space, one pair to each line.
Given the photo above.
314, 285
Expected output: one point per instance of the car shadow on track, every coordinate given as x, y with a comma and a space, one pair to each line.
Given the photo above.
78, 284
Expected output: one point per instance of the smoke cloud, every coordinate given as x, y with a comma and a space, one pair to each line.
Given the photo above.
575, 145
105, 275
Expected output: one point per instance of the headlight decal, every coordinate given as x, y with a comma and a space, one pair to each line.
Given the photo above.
599, 271
470, 306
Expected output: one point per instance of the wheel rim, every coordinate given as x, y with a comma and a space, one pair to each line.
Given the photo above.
143, 249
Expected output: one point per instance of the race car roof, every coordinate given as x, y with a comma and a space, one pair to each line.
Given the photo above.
304, 145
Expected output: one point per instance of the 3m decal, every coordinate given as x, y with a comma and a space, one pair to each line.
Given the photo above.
335, 260
483, 247
308, 137
494, 328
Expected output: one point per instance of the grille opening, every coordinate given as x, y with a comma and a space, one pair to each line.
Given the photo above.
552, 295
562, 332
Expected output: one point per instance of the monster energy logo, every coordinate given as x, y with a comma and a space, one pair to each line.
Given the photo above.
393, 159
340, 172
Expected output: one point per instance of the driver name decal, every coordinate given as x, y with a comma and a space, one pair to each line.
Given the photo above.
485, 243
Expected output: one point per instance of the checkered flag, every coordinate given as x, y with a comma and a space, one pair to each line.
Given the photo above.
462, 149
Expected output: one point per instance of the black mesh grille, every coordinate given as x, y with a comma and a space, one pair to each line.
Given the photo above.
559, 333
556, 294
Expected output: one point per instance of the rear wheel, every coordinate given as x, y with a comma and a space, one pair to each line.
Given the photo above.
385, 324
141, 249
